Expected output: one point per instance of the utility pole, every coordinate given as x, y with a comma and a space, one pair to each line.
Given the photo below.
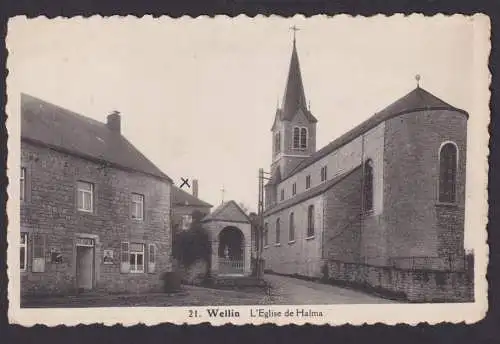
260, 215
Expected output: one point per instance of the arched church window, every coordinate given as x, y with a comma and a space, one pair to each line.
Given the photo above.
447, 172
266, 234
278, 230
291, 228
296, 137
303, 138
277, 142
310, 221
368, 186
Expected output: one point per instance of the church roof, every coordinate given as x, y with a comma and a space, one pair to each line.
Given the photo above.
63, 130
181, 197
417, 100
229, 211
294, 97
317, 190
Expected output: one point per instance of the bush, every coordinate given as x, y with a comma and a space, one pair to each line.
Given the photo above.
192, 245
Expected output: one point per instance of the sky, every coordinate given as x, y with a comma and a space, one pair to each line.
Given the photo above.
198, 96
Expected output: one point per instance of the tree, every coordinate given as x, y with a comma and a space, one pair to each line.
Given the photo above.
193, 244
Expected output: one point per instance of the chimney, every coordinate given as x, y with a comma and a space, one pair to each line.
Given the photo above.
114, 122
195, 187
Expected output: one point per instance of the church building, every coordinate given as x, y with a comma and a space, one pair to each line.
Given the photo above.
384, 199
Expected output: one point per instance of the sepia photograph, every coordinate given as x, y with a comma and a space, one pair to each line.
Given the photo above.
248, 170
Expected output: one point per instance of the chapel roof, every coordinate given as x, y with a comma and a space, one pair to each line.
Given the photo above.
61, 129
228, 211
181, 198
416, 100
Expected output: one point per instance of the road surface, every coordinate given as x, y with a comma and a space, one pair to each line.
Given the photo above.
292, 291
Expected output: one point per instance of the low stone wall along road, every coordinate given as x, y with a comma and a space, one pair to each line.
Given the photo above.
283, 291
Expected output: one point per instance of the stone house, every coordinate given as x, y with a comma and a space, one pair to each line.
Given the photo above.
95, 212
384, 200
185, 204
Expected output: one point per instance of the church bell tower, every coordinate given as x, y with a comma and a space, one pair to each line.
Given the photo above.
294, 127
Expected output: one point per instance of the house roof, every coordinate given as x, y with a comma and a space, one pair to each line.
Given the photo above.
64, 130
417, 100
294, 97
229, 211
181, 197
315, 191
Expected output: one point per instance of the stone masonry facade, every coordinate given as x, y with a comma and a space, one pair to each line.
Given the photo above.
49, 211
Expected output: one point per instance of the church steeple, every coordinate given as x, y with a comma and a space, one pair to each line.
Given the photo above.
294, 126
294, 97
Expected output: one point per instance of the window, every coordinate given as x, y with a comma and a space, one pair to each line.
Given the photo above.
22, 183
23, 259
136, 257
278, 230
277, 142
308, 182
323, 173
186, 222
151, 258
368, 186
310, 221
124, 258
266, 234
137, 207
448, 173
291, 228
85, 196
294, 189
282, 196
38, 253
296, 137
303, 138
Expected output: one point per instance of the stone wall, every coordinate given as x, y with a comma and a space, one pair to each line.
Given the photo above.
50, 211
418, 285
342, 234
303, 254
417, 224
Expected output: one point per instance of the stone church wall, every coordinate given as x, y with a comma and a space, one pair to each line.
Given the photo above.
418, 226
342, 233
303, 255
50, 210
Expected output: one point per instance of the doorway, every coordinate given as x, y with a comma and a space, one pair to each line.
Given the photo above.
85, 265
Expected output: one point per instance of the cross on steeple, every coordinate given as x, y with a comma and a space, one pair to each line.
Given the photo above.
222, 191
417, 77
294, 29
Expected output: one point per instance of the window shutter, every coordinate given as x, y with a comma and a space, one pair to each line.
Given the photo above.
38, 253
124, 258
151, 258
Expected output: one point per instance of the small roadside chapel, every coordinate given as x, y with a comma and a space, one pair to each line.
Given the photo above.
230, 234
